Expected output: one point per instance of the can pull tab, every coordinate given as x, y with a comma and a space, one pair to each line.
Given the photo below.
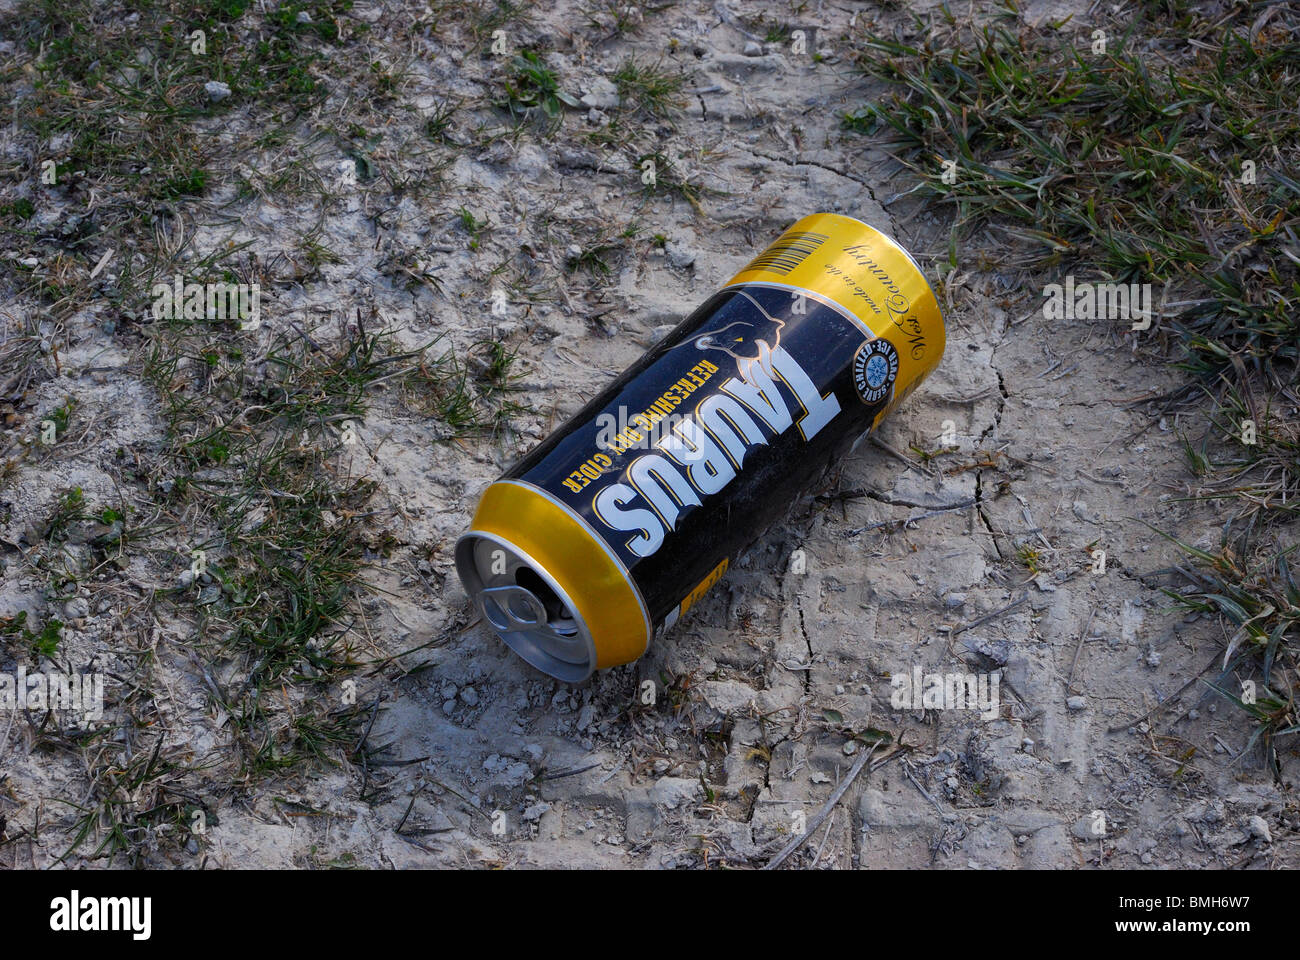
511, 608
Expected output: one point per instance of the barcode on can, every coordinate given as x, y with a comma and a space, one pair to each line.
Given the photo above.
789, 250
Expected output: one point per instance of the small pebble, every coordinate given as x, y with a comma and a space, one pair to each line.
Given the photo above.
679, 255
534, 812
1258, 827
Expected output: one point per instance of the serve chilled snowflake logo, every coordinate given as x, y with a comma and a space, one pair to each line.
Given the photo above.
74, 913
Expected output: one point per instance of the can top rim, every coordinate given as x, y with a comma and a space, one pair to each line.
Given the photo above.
562, 651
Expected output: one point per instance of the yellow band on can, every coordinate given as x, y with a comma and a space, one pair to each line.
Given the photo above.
871, 277
598, 586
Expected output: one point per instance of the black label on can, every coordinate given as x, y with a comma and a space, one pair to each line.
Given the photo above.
689, 455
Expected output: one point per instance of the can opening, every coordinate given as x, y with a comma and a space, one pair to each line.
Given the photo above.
525, 606
529, 579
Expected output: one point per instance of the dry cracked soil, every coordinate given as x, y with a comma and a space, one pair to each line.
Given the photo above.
765, 696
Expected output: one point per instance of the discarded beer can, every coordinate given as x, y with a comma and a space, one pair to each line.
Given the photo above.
609, 530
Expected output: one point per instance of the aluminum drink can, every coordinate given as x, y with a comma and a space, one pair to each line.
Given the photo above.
616, 524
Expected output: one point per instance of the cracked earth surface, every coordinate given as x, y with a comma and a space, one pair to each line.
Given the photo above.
766, 692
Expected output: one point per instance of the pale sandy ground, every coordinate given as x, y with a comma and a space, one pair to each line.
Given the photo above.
769, 650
